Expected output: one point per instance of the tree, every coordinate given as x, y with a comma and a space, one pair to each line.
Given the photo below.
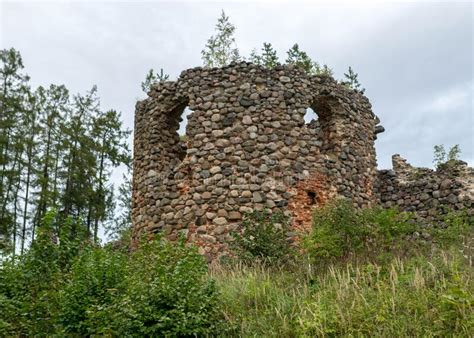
220, 49
353, 81
301, 60
152, 78
53, 105
123, 219
111, 150
56, 153
14, 92
268, 59
441, 157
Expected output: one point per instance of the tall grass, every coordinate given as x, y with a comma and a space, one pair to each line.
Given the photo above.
361, 273
418, 296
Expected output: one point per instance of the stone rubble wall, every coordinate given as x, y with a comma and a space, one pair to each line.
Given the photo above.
247, 147
425, 191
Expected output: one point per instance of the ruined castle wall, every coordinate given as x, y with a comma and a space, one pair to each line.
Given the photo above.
425, 191
247, 147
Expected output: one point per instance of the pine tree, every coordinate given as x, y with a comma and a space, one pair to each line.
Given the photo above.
301, 60
111, 150
352, 80
79, 159
255, 58
13, 92
268, 59
53, 105
123, 219
152, 78
220, 49
31, 146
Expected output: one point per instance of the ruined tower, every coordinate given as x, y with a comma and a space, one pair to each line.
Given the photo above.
247, 146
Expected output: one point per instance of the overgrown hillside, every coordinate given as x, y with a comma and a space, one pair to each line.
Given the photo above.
357, 273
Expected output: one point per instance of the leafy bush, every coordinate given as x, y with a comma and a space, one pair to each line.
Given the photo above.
93, 286
30, 284
69, 287
264, 237
168, 293
341, 231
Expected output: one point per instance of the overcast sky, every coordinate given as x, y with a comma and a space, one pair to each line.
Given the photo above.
414, 59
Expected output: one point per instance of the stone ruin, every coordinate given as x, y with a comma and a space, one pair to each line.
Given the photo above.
248, 147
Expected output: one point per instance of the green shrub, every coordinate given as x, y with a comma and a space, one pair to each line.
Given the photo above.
340, 231
168, 292
68, 288
453, 227
264, 238
94, 285
30, 284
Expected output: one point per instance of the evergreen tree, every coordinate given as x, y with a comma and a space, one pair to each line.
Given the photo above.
14, 89
268, 58
56, 152
79, 159
220, 49
53, 105
352, 80
300, 59
111, 150
152, 77
441, 157
123, 219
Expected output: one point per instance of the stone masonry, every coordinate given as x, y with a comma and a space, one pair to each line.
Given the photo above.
426, 191
247, 147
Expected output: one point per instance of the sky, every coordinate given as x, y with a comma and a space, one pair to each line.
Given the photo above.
415, 59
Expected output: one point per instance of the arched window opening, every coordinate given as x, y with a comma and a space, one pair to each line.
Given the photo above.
178, 121
184, 122
310, 115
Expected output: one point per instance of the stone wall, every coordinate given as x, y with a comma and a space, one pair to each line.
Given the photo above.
247, 147
425, 191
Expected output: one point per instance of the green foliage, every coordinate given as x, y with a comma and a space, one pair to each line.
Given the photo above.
70, 287
352, 80
88, 298
340, 231
264, 237
30, 284
152, 78
168, 292
220, 49
64, 285
56, 152
441, 158
268, 58
301, 60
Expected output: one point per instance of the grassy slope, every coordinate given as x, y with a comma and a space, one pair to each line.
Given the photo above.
418, 296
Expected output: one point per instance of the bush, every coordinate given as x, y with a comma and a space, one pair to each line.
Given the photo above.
93, 286
68, 288
340, 231
161, 289
264, 238
168, 292
30, 284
